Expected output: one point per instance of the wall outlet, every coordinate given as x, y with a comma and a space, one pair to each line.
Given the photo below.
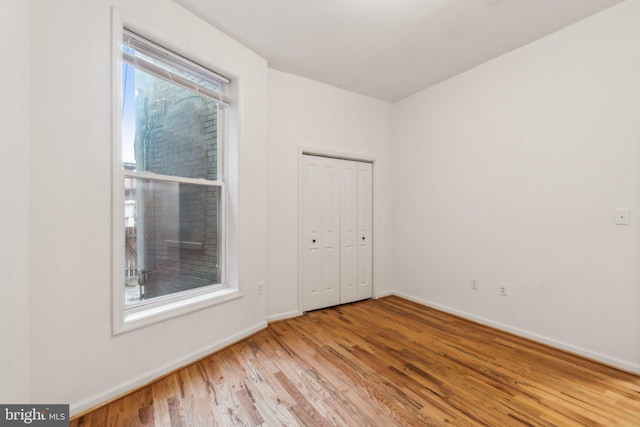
503, 291
475, 284
260, 288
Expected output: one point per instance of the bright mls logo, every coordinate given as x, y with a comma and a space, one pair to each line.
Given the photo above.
34, 415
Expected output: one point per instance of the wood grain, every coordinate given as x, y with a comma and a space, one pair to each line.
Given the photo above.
381, 362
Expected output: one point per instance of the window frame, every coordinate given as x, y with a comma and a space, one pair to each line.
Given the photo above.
126, 318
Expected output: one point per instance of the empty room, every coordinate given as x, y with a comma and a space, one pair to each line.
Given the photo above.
339, 212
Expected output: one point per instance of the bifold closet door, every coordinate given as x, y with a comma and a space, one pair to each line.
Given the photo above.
321, 232
336, 231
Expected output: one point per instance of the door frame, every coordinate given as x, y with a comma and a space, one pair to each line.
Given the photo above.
322, 152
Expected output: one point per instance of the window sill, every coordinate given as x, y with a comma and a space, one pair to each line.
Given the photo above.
144, 316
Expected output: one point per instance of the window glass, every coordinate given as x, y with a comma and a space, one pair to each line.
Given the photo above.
167, 129
172, 238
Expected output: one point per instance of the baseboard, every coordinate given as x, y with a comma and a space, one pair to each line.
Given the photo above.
283, 316
385, 294
122, 389
595, 356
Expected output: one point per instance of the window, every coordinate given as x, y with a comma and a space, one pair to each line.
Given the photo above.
170, 184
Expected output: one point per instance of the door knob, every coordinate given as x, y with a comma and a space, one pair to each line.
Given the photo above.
314, 240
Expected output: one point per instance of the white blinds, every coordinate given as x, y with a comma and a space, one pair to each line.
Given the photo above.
162, 63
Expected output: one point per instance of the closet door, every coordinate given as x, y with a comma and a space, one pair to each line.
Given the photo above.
320, 232
336, 237
365, 225
348, 231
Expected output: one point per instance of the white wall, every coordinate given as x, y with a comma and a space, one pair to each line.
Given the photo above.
508, 173
305, 113
76, 359
14, 214
511, 172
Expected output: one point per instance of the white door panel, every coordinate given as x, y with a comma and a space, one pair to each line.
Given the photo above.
330, 232
365, 225
348, 231
311, 230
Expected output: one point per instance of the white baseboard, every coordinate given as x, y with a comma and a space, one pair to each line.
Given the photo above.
595, 356
385, 294
119, 390
283, 316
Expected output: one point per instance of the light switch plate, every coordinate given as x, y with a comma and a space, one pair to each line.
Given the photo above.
622, 216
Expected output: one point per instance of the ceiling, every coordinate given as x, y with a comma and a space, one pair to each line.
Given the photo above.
387, 49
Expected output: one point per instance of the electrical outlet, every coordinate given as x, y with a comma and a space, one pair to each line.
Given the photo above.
503, 291
260, 288
475, 284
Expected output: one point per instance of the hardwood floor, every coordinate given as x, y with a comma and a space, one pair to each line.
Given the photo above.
381, 362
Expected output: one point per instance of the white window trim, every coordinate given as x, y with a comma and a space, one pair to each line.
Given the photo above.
125, 319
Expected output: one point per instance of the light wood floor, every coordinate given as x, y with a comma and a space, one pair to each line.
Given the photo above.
382, 362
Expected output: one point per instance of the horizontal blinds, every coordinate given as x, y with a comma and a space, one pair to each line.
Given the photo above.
162, 63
